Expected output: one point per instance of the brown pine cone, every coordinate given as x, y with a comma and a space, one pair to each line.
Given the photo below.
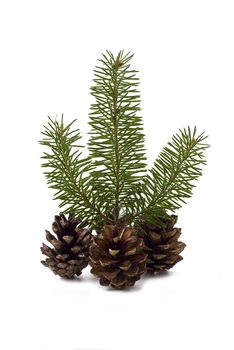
162, 245
70, 252
117, 257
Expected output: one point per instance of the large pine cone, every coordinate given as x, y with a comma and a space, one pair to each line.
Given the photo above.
70, 252
162, 245
117, 256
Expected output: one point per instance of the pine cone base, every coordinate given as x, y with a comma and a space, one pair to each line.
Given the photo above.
117, 257
162, 246
68, 269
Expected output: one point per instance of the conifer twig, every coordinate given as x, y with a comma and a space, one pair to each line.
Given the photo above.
66, 170
116, 144
169, 183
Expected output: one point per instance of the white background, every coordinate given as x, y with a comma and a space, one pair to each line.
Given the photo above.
184, 51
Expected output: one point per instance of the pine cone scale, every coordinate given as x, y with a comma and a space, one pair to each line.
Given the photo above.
48, 251
125, 265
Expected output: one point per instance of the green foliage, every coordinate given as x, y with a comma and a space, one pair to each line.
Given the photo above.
112, 183
170, 182
116, 144
67, 171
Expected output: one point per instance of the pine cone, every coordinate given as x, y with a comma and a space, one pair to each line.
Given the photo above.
162, 245
117, 256
70, 252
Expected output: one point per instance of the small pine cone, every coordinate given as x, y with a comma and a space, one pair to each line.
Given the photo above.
162, 245
117, 257
70, 252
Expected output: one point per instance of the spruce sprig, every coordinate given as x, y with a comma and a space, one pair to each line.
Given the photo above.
111, 184
173, 176
67, 171
117, 143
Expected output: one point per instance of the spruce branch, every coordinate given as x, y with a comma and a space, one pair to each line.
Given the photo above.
111, 184
67, 171
116, 143
171, 180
